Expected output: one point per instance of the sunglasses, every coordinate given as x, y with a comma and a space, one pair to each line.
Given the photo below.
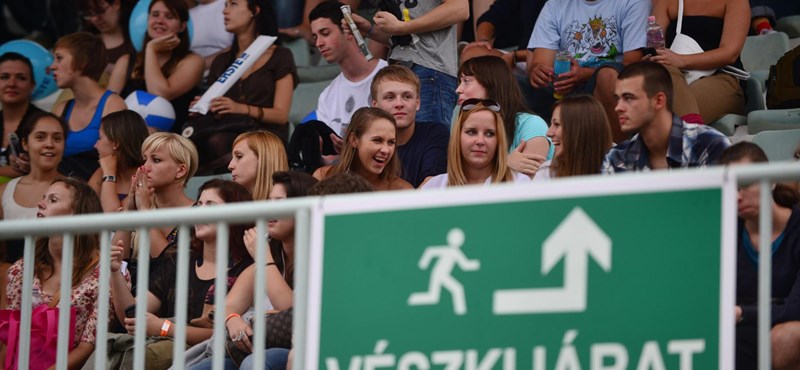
89, 14
470, 104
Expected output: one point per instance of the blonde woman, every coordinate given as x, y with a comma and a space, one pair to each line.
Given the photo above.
477, 150
256, 155
169, 161
369, 151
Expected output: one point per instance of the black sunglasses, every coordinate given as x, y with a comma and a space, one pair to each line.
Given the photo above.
470, 104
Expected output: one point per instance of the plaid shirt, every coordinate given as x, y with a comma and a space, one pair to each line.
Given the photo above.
690, 145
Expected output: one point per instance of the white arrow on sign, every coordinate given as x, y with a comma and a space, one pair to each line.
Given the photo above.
575, 238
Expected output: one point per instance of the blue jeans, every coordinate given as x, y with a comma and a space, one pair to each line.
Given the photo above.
541, 100
290, 11
207, 364
437, 95
274, 359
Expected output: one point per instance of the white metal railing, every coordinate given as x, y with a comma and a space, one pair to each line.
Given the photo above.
185, 217
303, 210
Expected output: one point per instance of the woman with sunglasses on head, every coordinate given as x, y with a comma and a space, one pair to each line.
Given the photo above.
16, 87
120, 148
79, 60
165, 66
581, 137
369, 150
476, 153
488, 77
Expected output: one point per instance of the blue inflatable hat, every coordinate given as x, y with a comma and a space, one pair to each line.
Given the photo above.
40, 59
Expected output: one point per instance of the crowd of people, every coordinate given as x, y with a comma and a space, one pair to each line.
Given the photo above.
421, 114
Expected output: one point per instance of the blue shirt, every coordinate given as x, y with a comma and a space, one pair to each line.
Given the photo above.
594, 33
689, 145
530, 126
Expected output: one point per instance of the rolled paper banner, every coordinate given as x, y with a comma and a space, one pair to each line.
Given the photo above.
233, 73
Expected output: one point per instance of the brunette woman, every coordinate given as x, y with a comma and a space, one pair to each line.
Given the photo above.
369, 150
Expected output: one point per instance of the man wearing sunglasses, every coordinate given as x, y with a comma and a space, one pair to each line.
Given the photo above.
662, 140
421, 146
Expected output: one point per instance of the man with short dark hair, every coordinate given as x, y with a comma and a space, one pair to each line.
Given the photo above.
643, 96
350, 89
421, 146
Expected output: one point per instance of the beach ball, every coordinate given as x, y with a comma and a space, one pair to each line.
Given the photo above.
157, 112
137, 24
40, 59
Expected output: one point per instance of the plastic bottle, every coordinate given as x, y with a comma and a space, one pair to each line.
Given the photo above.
655, 35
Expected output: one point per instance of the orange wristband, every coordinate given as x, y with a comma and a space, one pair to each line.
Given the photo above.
165, 328
231, 316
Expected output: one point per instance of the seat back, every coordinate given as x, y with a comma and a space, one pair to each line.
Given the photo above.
779, 145
760, 52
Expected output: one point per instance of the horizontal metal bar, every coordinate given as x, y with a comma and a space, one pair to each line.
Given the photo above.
779, 171
231, 213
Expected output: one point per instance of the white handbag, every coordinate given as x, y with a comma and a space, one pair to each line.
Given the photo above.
685, 45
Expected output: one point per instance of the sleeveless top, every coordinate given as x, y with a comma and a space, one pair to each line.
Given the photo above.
84, 140
707, 31
12, 210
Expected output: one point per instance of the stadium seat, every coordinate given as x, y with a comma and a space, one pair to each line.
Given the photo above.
755, 101
760, 52
300, 51
322, 72
773, 119
779, 145
790, 25
193, 186
305, 99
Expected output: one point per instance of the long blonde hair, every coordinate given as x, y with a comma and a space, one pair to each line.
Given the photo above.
455, 162
271, 155
360, 122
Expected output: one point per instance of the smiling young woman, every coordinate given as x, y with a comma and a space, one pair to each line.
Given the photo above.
369, 151
16, 87
477, 150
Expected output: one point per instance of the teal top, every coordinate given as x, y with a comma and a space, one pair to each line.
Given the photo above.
530, 126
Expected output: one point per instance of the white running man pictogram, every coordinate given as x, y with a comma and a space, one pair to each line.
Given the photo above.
448, 257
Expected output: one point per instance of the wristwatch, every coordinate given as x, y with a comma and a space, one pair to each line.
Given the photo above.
109, 179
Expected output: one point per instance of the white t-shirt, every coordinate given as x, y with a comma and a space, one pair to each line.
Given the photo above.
440, 181
342, 97
209, 35
543, 173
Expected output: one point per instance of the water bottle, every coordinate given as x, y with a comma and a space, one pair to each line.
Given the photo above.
561, 65
655, 36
